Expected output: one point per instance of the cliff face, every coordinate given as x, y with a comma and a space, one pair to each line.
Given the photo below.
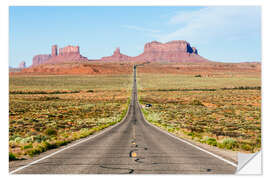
40, 59
169, 47
173, 51
68, 50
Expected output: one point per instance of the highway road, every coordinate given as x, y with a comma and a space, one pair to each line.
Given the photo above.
132, 146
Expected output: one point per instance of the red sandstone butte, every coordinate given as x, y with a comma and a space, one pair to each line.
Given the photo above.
66, 54
22, 65
173, 51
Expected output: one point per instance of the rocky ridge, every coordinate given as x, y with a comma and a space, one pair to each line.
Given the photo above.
173, 51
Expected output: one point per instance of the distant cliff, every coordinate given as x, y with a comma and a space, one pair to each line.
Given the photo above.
173, 51
66, 54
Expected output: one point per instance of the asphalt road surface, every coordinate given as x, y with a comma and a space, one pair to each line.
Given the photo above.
133, 146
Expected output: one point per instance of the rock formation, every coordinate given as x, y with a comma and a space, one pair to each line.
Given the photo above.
68, 50
66, 54
195, 51
22, 65
173, 51
169, 47
117, 56
40, 59
54, 50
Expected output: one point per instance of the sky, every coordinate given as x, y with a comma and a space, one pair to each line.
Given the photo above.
220, 33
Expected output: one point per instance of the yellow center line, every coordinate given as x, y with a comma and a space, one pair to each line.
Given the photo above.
133, 154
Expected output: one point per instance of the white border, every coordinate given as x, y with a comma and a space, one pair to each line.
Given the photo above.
265, 70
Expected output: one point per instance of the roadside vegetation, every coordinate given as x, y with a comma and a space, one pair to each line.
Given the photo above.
46, 112
221, 112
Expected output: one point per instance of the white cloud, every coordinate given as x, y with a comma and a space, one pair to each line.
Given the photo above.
214, 23
137, 28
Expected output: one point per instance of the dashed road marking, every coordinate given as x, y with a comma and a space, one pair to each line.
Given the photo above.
133, 154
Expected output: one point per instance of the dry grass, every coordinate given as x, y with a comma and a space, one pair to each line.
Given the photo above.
201, 110
42, 117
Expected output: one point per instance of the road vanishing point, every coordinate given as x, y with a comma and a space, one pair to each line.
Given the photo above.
133, 146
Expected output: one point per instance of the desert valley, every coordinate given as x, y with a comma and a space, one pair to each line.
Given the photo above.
64, 96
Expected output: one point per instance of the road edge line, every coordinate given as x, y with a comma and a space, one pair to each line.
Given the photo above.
72, 145
193, 145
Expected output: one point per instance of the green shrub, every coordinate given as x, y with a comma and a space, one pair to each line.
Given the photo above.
42, 92
243, 88
42, 147
211, 141
12, 157
220, 145
39, 138
52, 145
229, 143
46, 98
27, 146
26, 140
33, 152
246, 147
61, 143
194, 89
50, 132
18, 139
196, 103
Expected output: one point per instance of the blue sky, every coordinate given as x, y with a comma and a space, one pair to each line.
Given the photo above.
220, 33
